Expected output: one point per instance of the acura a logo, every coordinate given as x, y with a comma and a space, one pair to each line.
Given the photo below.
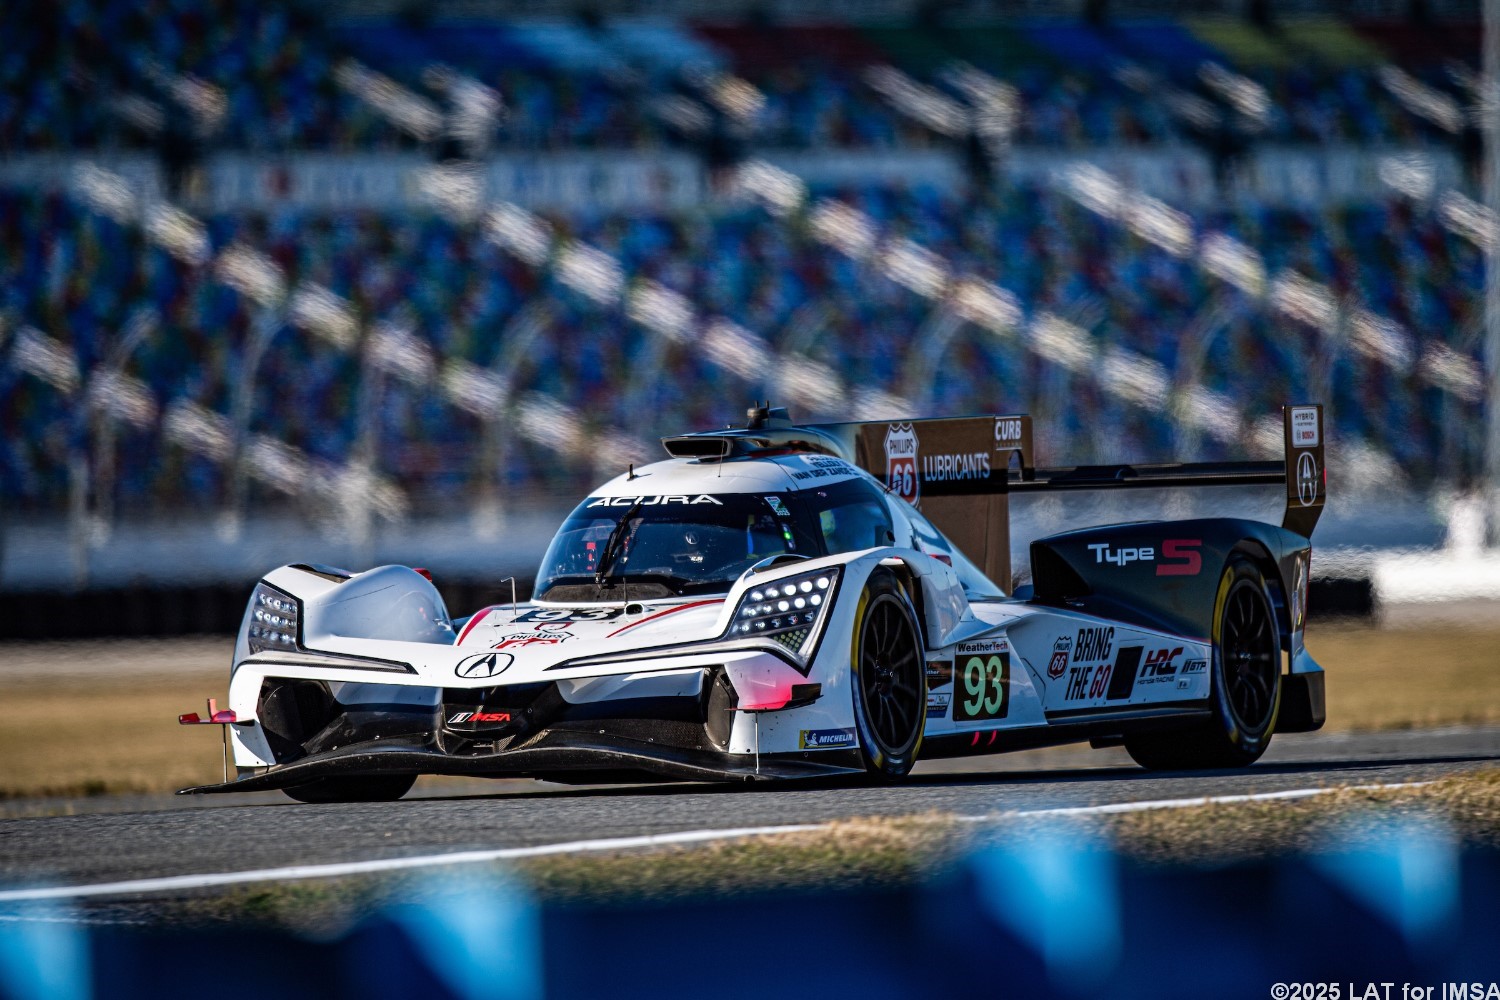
1307, 479
483, 665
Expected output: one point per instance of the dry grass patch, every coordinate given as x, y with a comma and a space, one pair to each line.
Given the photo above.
97, 736
1410, 677
855, 853
1215, 834
315, 907
880, 851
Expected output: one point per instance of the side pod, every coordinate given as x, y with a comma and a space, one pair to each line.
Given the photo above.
1165, 574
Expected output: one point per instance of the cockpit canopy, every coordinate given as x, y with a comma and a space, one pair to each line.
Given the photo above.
666, 546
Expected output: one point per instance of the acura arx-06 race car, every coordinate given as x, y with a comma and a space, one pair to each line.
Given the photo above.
782, 601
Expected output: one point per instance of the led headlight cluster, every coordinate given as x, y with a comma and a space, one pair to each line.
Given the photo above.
273, 619
787, 610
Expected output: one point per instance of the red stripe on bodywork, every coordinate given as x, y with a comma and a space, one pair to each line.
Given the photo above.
478, 615
660, 614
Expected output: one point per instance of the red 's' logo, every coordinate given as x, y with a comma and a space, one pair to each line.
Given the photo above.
1189, 561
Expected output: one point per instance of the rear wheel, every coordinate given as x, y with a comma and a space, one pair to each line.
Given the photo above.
360, 788
1246, 683
890, 679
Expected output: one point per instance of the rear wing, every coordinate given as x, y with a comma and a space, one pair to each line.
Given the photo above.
960, 471
1301, 471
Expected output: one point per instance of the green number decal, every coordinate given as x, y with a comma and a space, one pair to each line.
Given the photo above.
986, 688
973, 685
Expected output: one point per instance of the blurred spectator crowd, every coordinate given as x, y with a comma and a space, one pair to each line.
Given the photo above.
1101, 332
75, 274
86, 74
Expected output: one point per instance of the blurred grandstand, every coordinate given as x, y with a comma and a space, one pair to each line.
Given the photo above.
402, 262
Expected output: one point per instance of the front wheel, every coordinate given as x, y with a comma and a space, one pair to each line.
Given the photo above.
890, 678
356, 788
1246, 683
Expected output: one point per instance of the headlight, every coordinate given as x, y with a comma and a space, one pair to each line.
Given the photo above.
788, 610
274, 618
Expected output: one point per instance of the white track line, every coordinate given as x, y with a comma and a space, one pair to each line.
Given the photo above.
296, 872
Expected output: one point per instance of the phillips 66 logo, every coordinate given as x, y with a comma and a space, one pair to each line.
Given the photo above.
901, 462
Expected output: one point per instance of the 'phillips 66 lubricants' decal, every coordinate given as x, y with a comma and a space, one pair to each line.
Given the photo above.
901, 462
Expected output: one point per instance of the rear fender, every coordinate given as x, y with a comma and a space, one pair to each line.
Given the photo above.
1165, 574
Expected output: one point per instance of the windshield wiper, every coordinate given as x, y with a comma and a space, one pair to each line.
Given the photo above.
612, 545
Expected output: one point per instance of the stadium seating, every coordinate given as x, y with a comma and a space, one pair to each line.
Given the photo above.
459, 293
577, 84
80, 77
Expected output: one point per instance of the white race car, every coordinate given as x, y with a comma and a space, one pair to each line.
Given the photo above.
785, 601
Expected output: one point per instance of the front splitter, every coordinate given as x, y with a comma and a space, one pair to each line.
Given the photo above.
575, 755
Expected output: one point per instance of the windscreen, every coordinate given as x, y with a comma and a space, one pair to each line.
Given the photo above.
658, 546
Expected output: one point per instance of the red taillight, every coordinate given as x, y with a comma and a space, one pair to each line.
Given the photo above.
424, 572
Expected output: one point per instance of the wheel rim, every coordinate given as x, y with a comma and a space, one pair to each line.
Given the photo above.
1248, 648
890, 674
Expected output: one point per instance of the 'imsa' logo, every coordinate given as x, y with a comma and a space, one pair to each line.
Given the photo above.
901, 462
480, 717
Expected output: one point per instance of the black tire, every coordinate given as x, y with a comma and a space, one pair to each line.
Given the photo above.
890, 678
357, 788
1245, 683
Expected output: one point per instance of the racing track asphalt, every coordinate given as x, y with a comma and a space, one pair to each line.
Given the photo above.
128, 839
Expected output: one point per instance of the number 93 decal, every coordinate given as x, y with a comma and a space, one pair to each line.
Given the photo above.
570, 615
983, 688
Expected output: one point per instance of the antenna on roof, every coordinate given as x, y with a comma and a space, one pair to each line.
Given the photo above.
763, 415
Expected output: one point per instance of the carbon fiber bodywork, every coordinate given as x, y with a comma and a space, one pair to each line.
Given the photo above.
567, 757
526, 730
